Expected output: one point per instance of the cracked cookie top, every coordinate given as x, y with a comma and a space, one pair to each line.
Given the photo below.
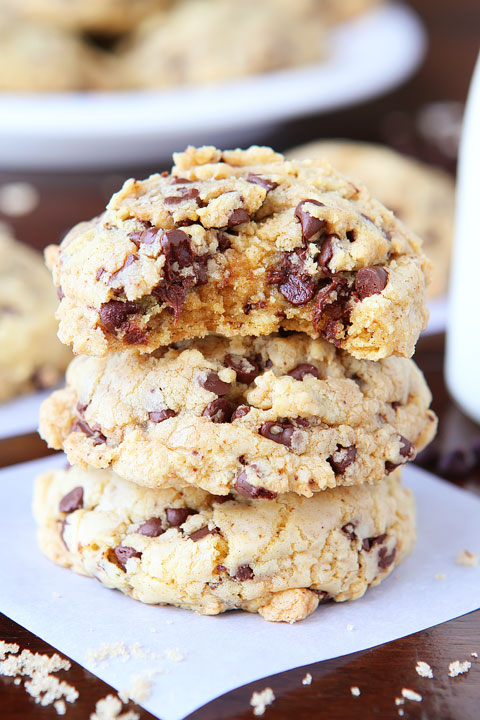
241, 242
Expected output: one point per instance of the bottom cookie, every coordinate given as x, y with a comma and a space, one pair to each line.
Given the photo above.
279, 557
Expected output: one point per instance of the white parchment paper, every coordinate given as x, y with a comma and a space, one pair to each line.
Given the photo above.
226, 651
20, 415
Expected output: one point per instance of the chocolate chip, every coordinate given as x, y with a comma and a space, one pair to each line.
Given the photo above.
342, 458
368, 543
390, 467
349, 530
224, 242
101, 271
351, 235
134, 335
114, 313
95, 433
179, 255
304, 369
264, 182
384, 561
323, 596
122, 554
332, 308
146, 236
326, 253
243, 487
407, 449
151, 528
238, 216
72, 501
60, 293
240, 412
219, 411
246, 368
221, 568
279, 432
212, 383
203, 532
185, 194
244, 572
177, 516
129, 260
158, 416
298, 290
310, 225
370, 281
220, 499
395, 404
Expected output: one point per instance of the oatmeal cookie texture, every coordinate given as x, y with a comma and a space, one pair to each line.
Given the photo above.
31, 357
241, 242
279, 557
421, 195
261, 416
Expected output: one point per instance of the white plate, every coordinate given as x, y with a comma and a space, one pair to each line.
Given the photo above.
368, 56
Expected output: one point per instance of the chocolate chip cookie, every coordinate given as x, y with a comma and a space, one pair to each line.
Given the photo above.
242, 242
41, 58
279, 557
99, 16
31, 357
421, 195
258, 416
208, 41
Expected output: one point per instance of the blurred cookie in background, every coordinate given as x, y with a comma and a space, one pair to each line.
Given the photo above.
97, 16
38, 57
201, 41
421, 195
31, 356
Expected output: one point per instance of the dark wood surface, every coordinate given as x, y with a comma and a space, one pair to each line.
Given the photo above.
380, 673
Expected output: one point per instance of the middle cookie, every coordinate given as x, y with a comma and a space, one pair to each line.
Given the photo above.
261, 416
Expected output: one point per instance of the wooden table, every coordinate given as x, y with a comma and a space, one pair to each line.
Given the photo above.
380, 673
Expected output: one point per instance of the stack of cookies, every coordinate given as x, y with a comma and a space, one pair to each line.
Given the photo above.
243, 399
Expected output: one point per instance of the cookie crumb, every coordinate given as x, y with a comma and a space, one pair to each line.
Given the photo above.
60, 707
350, 627
139, 690
8, 648
260, 700
459, 668
106, 652
411, 695
399, 701
18, 198
440, 576
467, 558
401, 712
174, 655
17, 681
423, 669
307, 680
355, 691
110, 708
474, 654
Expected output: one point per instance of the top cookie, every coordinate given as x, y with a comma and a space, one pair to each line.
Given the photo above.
241, 243
422, 196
